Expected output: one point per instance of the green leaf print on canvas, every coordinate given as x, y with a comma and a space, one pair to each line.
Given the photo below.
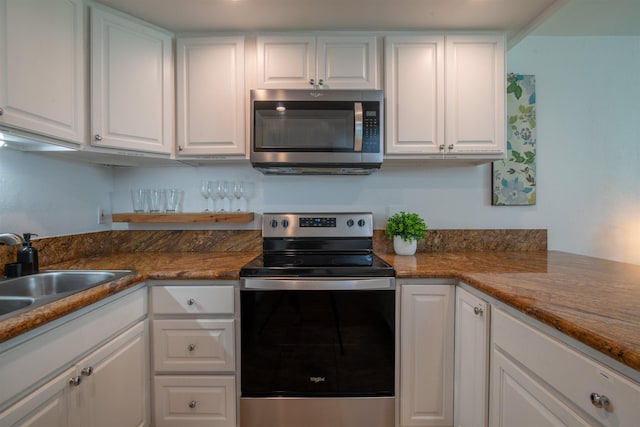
514, 179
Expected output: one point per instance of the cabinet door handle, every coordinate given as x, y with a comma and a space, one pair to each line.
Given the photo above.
98, 137
87, 371
320, 82
450, 146
478, 311
600, 401
441, 147
192, 404
191, 347
312, 82
191, 301
75, 381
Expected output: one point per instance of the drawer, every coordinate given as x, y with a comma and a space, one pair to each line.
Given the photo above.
192, 299
195, 401
194, 345
569, 372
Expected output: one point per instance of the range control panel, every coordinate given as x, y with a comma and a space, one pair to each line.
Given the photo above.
344, 224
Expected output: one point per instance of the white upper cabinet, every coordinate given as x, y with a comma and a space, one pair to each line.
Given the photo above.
42, 67
475, 94
329, 62
415, 94
131, 84
445, 96
211, 96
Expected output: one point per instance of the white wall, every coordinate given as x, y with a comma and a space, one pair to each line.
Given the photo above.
588, 96
50, 197
588, 167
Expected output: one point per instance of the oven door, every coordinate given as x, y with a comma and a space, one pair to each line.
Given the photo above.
314, 348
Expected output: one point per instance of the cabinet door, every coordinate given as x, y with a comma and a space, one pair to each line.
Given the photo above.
472, 360
518, 399
131, 84
562, 372
414, 71
426, 361
47, 406
475, 91
211, 110
286, 62
114, 387
347, 62
42, 67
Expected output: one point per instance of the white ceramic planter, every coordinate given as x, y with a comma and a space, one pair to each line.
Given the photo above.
404, 248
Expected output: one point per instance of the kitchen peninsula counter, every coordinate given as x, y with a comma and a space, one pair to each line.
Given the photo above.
592, 300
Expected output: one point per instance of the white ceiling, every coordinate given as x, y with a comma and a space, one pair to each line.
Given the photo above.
515, 17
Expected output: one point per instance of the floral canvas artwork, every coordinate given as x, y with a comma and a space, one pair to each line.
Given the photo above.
514, 179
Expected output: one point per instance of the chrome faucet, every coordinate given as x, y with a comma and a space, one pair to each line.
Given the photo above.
10, 239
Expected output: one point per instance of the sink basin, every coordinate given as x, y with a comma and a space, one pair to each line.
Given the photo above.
10, 304
55, 282
26, 292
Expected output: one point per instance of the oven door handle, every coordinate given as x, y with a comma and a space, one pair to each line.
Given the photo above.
333, 284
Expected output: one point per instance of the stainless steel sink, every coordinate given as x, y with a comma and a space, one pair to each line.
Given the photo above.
10, 304
27, 292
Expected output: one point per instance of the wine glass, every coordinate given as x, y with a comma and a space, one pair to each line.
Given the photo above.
219, 193
227, 192
205, 191
238, 189
247, 189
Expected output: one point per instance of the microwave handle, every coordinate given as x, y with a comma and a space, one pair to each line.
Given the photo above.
357, 147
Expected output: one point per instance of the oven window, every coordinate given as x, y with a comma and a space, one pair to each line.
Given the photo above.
317, 343
304, 126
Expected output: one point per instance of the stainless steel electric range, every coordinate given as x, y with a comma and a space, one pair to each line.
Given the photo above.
317, 325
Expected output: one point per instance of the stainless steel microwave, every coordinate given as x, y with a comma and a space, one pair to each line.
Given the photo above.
317, 131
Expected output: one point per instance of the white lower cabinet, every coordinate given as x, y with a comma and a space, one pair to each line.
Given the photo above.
194, 381
537, 381
106, 387
48, 406
471, 360
203, 400
426, 353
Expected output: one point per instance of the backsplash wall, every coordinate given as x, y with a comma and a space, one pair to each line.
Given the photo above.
588, 175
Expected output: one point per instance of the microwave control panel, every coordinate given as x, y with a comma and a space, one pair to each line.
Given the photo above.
370, 127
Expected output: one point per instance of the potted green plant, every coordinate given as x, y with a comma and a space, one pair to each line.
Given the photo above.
406, 229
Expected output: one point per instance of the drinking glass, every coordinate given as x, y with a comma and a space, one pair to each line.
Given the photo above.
139, 199
173, 199
156, 200
205, 191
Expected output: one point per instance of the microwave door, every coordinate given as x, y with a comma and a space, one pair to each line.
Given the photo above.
357, 146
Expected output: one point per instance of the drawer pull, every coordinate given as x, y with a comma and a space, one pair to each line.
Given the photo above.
600, 401
192, 404
478, 311
191, 301
191, 347
87, 371
75, 381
